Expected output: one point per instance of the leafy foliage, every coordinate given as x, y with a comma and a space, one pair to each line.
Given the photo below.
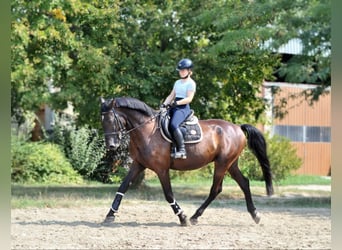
87, 49
34, 162
86, 150
282, 155
115, 164
76, 51
83, 147
309, 22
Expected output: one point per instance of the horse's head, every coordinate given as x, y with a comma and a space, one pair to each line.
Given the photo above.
112, 124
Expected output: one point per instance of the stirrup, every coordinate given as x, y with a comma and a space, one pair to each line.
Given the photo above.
180, 155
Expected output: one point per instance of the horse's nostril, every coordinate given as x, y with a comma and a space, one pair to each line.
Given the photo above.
113, 146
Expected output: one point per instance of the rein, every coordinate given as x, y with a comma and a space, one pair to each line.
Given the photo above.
142, 124
122, 130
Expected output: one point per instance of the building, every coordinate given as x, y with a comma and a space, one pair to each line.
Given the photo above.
307, 126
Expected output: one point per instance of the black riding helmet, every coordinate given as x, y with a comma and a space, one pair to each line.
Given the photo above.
184, 64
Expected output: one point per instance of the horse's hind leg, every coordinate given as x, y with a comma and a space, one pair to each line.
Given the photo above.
164, 178
243, 182
215, 189
134, 171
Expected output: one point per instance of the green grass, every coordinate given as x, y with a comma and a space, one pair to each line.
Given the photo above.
291, 180
185, 190
305, 180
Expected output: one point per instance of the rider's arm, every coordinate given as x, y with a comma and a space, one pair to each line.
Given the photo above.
170, 97
188, 99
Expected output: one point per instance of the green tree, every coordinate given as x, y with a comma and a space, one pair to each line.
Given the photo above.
309, 21
112, 48
63, 44
41, 40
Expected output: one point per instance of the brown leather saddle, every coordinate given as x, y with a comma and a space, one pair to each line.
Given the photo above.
191, 129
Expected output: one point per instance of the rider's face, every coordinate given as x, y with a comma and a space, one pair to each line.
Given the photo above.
183, 72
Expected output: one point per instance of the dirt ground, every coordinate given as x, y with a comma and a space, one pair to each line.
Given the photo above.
152, 225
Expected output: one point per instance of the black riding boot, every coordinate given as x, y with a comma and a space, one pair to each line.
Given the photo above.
173, 149
178, 137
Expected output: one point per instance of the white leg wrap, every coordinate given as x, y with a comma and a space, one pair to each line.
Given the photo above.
176, 209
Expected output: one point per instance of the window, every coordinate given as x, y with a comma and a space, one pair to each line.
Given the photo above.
325, 134
294, 133
313, 134
303, 133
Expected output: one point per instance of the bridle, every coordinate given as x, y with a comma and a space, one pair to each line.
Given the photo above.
117, 120
122, 129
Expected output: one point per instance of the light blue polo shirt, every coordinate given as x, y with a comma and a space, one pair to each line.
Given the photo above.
181, 88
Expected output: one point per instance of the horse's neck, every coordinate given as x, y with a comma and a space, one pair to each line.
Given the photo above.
140, 124
134, 119
142, 134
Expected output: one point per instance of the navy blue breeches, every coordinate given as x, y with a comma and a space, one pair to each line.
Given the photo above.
178, 115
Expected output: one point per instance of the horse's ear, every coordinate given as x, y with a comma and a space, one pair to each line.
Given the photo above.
102, 100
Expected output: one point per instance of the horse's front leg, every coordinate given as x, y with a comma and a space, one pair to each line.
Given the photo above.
164, 179
134, 171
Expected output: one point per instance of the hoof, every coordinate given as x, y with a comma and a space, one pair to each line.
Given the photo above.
256, 218
109, 219
184, 223
183, 220
193, 221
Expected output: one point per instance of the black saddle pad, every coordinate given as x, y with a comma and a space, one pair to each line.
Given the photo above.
190, 128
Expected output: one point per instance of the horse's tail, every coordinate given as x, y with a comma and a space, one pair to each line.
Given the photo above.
257, 144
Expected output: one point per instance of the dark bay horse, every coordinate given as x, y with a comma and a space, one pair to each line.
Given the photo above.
222, 144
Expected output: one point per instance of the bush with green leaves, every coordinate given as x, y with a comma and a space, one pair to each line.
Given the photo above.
282, 156
115, 165
41, 162
82, 146
112, 168
85, 149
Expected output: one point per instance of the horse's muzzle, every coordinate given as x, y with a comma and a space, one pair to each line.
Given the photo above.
112, 146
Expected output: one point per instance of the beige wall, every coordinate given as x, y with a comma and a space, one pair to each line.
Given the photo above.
316, 156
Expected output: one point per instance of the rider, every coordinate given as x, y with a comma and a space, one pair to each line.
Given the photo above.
179, 99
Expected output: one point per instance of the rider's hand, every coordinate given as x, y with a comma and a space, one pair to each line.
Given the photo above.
174, 104
163, 107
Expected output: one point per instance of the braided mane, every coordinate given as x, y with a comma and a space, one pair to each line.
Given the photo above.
132, 103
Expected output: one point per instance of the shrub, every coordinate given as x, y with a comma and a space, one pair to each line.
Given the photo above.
86, 151
36, 162
82, 146
282, 156
112, 169
115, 165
